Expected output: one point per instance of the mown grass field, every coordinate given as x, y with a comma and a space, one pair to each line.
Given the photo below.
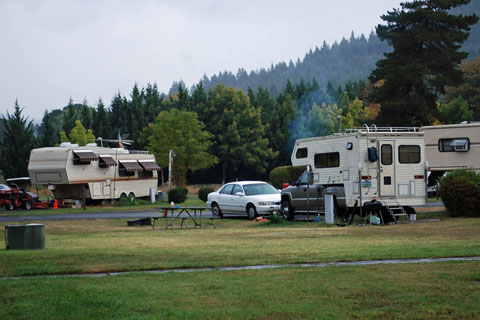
439, 290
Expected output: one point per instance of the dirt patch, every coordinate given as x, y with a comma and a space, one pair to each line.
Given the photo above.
430, 209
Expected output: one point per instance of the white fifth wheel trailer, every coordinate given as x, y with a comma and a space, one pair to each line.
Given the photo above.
452, 146
370, 168
92, 172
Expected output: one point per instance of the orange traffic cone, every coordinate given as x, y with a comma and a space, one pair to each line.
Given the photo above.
55, 204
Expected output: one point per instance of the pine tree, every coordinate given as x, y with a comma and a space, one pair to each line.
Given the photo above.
86, 115
426, 40
17, 142
49, 136
69, 116
101, 122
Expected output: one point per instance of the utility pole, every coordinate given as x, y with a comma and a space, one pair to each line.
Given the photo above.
170, 166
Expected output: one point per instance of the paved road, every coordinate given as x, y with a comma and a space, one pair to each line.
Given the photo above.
150, 213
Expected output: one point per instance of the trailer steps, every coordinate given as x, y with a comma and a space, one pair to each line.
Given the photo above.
396, 212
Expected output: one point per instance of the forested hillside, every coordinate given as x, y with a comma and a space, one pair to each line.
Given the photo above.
348, 60
351, 59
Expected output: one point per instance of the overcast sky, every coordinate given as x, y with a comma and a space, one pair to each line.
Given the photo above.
90, 49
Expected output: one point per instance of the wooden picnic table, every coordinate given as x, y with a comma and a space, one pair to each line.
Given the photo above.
170, 214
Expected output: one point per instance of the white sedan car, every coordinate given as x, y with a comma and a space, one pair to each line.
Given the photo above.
244, 197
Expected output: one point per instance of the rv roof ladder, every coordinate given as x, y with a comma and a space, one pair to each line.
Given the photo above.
374, 129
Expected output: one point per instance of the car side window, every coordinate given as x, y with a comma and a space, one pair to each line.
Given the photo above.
227, 189
236, 189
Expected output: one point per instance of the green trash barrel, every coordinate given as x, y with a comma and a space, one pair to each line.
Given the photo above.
25, 236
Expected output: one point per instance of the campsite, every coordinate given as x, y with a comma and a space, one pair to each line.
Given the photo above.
240, 160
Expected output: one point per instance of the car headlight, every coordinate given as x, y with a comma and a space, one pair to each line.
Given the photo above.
266, 203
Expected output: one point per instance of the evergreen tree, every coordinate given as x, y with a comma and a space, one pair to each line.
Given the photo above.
136, 115
199, 97
49, 135
426, 39
119, 119
154, 101
101, 122
69, 116
86, 115
18, 141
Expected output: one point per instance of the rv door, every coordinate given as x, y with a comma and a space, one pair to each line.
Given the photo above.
386, 170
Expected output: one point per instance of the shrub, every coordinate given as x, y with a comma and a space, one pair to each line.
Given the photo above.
460, 192
203, 193
178, 195
281, 175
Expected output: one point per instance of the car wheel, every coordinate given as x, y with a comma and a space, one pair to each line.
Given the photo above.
27, 205
286, 210
252, 212
216, 212
9, 206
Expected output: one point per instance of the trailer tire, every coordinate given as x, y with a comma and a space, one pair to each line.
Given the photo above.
286, 210
27, 205
9, 206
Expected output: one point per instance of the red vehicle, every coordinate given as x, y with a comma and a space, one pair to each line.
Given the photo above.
14, 197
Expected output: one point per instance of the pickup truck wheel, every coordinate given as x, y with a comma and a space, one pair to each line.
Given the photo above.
9, 206
252, 212
216, 212
27, 205
286, 210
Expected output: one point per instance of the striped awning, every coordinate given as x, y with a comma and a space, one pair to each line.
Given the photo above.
84, 155
149, 165
107, 160
130, 165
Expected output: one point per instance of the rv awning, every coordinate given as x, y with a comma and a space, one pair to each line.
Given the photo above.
130, 165
149, 165
84, 155
107, 160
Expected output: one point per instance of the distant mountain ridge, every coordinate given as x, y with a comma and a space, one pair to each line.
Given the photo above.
349, 60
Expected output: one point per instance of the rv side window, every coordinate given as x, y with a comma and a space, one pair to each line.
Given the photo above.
302, 153
122, 172
386, 151
327, 160
409, 154
452, 145
145, 174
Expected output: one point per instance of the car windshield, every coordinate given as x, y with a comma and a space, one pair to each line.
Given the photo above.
260, 188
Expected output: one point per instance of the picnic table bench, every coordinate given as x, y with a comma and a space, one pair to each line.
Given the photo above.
170, 214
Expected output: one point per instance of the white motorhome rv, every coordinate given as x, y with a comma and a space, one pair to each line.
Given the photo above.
368, 168
452, 146
92, 172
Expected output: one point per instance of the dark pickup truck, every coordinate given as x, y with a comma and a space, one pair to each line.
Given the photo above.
304, 197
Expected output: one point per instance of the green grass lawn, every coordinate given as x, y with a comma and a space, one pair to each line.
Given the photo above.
420, 291
423, 291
